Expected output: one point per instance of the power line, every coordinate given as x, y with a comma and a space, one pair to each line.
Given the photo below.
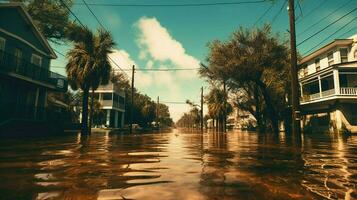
60, 53
166, 69
311, 11
90, 10
331, 35
261, 17
65, 5
174, 102
325, 17
79, 21
355, 27
278, 13
176, 5
308, 38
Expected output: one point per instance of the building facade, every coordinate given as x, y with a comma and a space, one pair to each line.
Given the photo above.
328, 87
112, 100
25, 76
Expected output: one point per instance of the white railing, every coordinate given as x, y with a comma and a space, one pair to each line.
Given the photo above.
314, 96
348, 90
328, 92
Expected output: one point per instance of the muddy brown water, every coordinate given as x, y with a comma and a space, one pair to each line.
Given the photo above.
179, 165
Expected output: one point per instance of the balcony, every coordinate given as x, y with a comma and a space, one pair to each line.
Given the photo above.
344, 92
9, 64
111, 103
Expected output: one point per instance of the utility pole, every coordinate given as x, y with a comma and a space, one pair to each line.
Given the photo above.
132, 100
225, 107
201, 109
294, 76
157, 112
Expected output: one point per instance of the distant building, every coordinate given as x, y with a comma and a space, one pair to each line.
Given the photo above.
240, 119
112, 100
25, 77
328, 83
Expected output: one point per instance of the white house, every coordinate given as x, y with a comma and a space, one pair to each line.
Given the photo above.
328, 83
112, 99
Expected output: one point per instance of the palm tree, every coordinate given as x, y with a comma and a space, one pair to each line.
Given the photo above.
217, 106
88, 65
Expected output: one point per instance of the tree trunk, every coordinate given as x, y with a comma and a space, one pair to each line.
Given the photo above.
85, 111
91, 112
270, 107
258, 114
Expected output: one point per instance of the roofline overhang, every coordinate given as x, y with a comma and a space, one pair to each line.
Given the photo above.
28, 18
324, 49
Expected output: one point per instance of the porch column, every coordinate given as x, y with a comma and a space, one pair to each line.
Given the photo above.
107, 122
336, 81
320, 87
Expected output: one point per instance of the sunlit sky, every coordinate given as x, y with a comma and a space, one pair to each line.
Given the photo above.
177, 37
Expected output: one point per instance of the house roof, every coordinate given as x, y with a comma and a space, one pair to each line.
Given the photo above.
29, 20
324, 49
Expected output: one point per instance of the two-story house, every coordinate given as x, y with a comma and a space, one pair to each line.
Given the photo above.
25, 76
112, 100
328, 83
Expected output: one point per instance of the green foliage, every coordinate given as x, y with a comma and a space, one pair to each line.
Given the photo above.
50, 16
88, 64
254, 64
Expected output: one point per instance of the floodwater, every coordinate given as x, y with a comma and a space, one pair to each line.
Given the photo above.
179, 165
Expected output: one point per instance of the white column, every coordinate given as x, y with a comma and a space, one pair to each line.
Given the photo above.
320, 87
108, 118
336, 81
338, 119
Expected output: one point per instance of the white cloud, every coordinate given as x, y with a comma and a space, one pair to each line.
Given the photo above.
160, 50
155, 40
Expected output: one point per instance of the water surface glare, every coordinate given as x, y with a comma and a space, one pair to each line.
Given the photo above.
179, 165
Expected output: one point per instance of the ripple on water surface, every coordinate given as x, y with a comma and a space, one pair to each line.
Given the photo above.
179, 165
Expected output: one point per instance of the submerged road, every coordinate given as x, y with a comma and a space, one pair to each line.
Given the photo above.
179, 165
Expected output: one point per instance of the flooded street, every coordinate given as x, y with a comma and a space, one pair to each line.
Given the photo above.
179, 165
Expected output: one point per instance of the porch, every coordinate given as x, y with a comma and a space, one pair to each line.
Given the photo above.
336, 83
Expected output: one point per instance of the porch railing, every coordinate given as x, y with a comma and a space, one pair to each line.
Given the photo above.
111, 103
348, 90
327, 93
9, 63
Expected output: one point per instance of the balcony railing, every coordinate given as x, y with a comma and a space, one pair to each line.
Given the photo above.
11, 64
348, 90
327, 93
111, 103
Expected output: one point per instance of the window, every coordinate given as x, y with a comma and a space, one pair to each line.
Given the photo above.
343, 54
330, 58
18, 58
317, 64
107, 96
36, 60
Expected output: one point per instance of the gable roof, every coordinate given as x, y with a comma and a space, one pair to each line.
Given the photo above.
20, 8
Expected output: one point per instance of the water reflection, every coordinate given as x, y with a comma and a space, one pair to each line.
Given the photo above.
179, 165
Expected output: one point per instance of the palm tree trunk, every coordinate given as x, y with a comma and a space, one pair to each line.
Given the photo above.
91, 112
85, 111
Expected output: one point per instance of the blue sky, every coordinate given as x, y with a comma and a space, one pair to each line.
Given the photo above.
177, 37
